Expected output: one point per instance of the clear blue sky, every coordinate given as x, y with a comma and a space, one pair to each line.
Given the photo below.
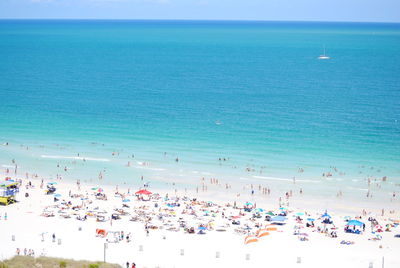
298, 10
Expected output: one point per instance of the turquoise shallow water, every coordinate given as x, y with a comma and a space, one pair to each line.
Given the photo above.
252, 92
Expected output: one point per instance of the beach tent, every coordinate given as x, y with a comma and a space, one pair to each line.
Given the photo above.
250, 239
101, 233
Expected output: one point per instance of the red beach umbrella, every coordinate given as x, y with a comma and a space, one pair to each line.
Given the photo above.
144, 191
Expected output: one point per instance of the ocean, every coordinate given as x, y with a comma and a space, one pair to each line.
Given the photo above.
245, 102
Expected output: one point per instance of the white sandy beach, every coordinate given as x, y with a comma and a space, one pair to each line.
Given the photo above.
165, 248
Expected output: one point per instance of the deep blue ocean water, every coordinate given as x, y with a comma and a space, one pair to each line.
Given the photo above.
251, 92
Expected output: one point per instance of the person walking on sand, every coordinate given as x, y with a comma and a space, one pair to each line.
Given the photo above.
127, 264
133, 265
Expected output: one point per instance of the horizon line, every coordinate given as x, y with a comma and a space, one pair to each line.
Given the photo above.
198, 20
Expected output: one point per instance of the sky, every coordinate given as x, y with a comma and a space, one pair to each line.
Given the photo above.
275, 10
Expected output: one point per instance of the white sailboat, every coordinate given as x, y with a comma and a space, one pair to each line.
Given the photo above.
324, 56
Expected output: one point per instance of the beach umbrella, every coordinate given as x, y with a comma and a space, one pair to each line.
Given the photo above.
144, 191
248, 204
52, 183
202, 228
126, 200
250, 239
300, 214
95, 188
326, 215
282, 208
355, 223
270, 213
310, 219
57, 195
262, 232
100, 190
258, 210
279, 218
271, 229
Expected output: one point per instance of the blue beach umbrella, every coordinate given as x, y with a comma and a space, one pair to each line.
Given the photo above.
52, 183
355, 223
57, 195
279, 218
300, 214
126, 200
202, 228
311, 219
326, 215
249, 204
259, 210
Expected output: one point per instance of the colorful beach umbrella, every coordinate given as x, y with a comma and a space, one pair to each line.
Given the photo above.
250, 239
355, 223
262, 232
279, 219
326, 215
144, 191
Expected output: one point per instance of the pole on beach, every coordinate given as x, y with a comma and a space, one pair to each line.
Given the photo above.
105, 247
383, 261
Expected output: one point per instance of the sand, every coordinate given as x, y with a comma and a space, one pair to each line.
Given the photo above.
163, 248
